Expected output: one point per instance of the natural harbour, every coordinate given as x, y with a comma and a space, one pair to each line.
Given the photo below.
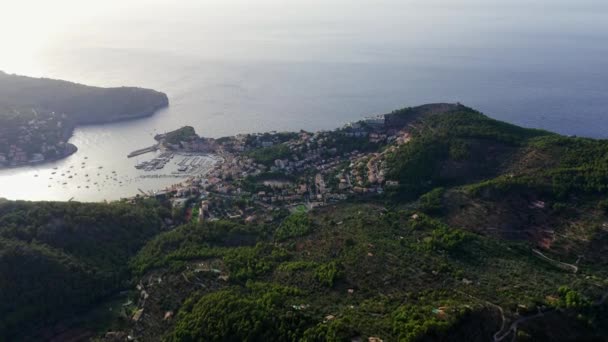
97, 159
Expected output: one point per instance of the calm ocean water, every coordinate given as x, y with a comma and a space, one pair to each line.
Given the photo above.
239, 66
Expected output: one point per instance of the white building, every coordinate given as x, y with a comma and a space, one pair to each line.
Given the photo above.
376, 121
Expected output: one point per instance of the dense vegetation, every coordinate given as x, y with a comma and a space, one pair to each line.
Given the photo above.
507, 181
466, 147
341, 144
194, 241
56, 258
267, 155
366, 270
185, 133
295, 225
456, 148
253, 313
559, 167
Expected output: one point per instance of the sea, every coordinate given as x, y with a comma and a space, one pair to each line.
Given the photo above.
236, 66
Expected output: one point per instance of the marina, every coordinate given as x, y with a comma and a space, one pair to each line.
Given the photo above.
89, 180
188, 164
157, 163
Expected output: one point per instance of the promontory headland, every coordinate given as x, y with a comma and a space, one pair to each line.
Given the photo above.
38, 115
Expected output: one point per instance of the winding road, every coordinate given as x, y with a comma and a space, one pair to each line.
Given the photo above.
562, 265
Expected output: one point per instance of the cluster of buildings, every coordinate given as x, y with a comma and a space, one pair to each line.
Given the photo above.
311, 170
33, 141
197, 144
17, 156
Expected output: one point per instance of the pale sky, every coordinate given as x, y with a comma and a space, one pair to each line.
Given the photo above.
222, 29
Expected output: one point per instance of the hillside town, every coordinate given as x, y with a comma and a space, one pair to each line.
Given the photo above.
33, 138
261, 174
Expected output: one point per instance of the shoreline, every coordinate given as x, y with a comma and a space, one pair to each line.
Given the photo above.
72, 149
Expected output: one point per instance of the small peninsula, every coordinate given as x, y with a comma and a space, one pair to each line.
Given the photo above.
38, 115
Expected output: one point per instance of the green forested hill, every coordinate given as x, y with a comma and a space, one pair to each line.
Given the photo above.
57, 258
363, 270
466, 147
459, 147
509, 182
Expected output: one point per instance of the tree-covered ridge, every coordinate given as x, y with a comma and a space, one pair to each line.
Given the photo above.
253, 313
195, 241
56, 258
364, 271
495, 178
559, 166
267, 155
467, 147
457, 147
185, 133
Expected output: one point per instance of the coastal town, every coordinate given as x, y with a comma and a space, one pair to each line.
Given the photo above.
259, 174
31, 137
247, 176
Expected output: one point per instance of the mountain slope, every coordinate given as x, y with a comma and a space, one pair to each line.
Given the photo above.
58, 258
363, 271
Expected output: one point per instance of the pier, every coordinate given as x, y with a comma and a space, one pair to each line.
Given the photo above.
143, 151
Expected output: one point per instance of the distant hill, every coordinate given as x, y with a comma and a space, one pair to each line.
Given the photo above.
403, 117
82, 104
38, 115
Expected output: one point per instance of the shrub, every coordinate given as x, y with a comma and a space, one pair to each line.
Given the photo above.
432, 202
294, 225
327, 274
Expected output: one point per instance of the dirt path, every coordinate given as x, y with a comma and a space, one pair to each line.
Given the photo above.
562, 265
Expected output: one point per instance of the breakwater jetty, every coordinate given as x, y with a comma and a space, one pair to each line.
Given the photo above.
143, 151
